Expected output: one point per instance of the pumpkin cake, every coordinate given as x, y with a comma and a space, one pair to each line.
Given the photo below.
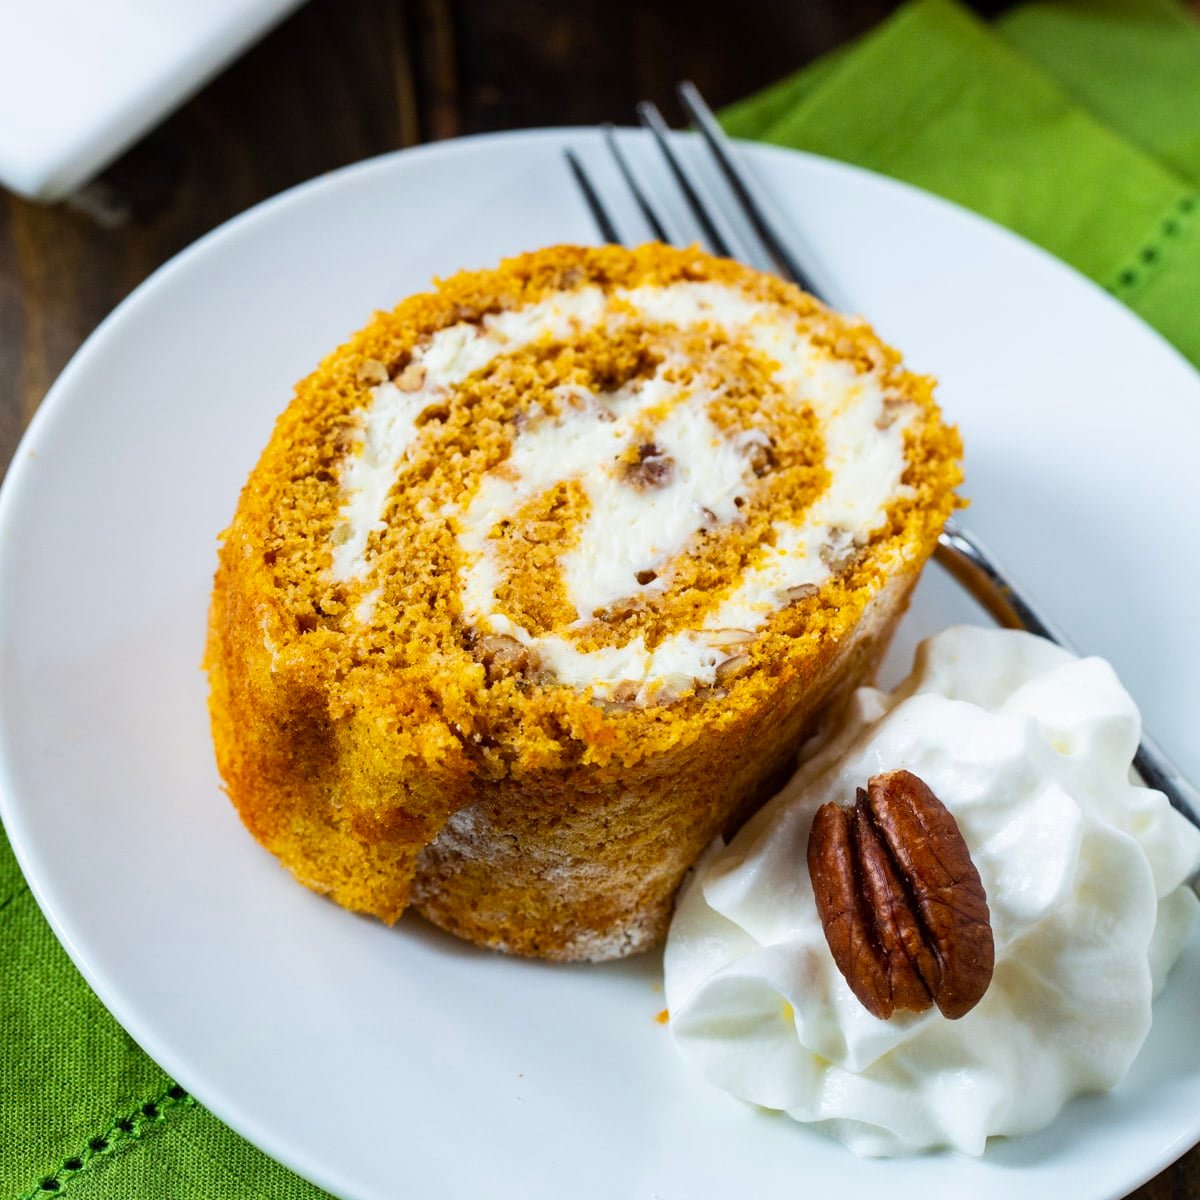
544, 575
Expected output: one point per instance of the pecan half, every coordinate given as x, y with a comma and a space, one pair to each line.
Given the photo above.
902, 905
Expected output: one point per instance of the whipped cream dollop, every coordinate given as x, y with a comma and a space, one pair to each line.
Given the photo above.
1030, 748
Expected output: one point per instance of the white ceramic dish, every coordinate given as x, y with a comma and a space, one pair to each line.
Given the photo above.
379, 1061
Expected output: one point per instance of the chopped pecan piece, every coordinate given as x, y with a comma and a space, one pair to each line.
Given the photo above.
838, 549
626, 693
729, 667
652, 469
412, 378
729, 637
902, 905
761, 458
371, 372
502, 655
801, 591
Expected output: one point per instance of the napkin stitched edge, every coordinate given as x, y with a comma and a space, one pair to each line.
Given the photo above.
1158, 249
123, 1134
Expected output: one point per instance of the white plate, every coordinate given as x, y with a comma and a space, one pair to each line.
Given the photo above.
383, 1062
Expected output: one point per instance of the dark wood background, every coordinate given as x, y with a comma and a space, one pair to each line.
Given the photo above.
345, 79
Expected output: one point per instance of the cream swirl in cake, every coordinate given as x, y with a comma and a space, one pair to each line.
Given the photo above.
656, 475
1084, 871
543, 573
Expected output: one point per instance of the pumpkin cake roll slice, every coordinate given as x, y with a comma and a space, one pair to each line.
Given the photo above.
544, 576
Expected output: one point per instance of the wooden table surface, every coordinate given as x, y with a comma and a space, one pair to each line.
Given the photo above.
345, 79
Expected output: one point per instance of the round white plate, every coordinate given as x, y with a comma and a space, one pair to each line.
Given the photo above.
382, 1062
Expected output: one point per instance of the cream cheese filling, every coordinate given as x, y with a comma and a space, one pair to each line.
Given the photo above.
389, 426
631, 531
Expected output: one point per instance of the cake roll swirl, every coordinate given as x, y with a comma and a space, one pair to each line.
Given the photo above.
551, 562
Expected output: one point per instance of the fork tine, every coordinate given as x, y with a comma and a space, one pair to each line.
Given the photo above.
717, 142
601, 215
652, 119
652, 218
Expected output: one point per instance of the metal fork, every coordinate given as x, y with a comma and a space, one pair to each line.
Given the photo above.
959, 552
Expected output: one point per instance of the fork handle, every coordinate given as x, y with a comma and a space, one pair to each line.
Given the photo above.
974, 569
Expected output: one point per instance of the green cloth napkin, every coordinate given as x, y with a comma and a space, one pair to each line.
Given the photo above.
1074, 122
